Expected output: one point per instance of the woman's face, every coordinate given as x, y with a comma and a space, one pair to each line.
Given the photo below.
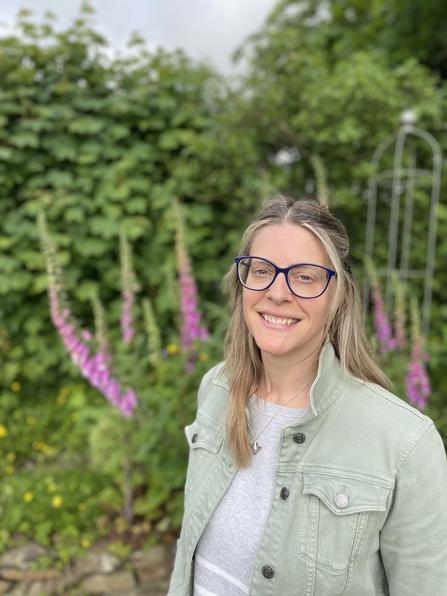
281, 323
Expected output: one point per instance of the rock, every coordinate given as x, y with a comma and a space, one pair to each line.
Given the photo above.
4, 586
95, 563
146, 590
153, 564
119, 581
43, 587
20, 589
23, 557
28, 574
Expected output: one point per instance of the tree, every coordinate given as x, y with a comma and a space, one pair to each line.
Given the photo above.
327, 82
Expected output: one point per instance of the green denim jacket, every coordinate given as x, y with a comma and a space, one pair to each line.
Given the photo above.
367, 507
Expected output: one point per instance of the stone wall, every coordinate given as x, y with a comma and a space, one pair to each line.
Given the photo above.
100, 573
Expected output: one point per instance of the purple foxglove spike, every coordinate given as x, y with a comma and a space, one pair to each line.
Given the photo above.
112, 392
87, 368
95, 379
66, 330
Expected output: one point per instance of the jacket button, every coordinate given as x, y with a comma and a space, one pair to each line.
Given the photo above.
284, 493
299, 437
268, 572
194, 438
341, 500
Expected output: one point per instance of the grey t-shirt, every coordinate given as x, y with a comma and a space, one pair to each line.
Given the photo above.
226, 551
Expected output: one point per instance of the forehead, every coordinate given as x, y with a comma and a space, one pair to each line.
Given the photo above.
287, 244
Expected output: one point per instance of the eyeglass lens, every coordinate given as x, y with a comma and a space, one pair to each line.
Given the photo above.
305, 280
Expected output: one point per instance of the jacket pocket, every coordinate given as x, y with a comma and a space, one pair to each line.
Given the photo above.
204, 442
338, 511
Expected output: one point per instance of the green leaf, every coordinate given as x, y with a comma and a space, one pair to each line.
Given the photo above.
24, 139
104, 227
85, 290
8, 264
32, 260
6, 154
86, 125
91, 247
136, 205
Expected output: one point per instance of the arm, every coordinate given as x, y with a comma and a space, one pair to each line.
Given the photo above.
413, 540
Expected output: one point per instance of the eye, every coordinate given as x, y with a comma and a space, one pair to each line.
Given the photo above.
304, 277
261, 268
260, 271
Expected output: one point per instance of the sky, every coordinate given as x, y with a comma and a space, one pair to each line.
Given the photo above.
206, 29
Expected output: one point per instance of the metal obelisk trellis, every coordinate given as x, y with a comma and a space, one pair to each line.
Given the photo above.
402, 180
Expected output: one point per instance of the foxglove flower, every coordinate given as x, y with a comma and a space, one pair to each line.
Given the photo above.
382, 327
417, 381
191, 329
128, 289
95, 368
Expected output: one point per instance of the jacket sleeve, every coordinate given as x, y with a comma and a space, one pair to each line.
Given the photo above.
413, 540
182, 565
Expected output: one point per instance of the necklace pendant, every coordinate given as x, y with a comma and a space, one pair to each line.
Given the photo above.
255, 447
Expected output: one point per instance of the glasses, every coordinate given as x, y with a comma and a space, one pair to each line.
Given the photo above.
304, 280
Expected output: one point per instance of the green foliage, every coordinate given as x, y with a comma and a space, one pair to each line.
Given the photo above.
107, 147
62, 466
321, 85
48, 491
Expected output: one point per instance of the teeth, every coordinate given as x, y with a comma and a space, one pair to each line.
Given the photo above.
270, 319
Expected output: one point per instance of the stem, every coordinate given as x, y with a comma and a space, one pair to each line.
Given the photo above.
127, 488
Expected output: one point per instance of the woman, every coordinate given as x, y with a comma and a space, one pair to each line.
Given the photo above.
306, 476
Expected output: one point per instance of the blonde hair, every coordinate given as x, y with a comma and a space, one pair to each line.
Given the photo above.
345, 327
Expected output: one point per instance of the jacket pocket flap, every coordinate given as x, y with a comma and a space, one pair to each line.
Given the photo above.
201, 436
344, 495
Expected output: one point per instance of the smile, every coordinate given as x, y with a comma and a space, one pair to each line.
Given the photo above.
275, 321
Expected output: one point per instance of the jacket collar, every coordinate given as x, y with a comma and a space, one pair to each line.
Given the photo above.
329, 385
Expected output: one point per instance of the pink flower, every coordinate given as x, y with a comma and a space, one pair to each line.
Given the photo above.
190, 330
417, 384
381, 324
95, 368
86, 335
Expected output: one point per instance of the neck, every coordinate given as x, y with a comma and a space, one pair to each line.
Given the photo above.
284, 377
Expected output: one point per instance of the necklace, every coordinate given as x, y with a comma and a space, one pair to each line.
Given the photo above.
255, 446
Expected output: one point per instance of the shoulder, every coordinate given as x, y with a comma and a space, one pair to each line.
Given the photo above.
213, 390
394, 422
391, 405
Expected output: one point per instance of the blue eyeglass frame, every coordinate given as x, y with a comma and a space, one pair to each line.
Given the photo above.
331, 273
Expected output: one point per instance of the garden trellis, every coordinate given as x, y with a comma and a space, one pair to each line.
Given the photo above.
408, 175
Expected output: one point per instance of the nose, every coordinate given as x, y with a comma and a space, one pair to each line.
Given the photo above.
279, 291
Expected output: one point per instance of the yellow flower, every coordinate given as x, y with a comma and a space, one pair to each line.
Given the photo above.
11, 457
3, 431
57, 501
51, 488
64, 391
85, 543
61, 399
30, 420
172, 349
74, 416
203, 356
82, 506
37, 445
28, 497
9, 469
15, 386
46, 448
